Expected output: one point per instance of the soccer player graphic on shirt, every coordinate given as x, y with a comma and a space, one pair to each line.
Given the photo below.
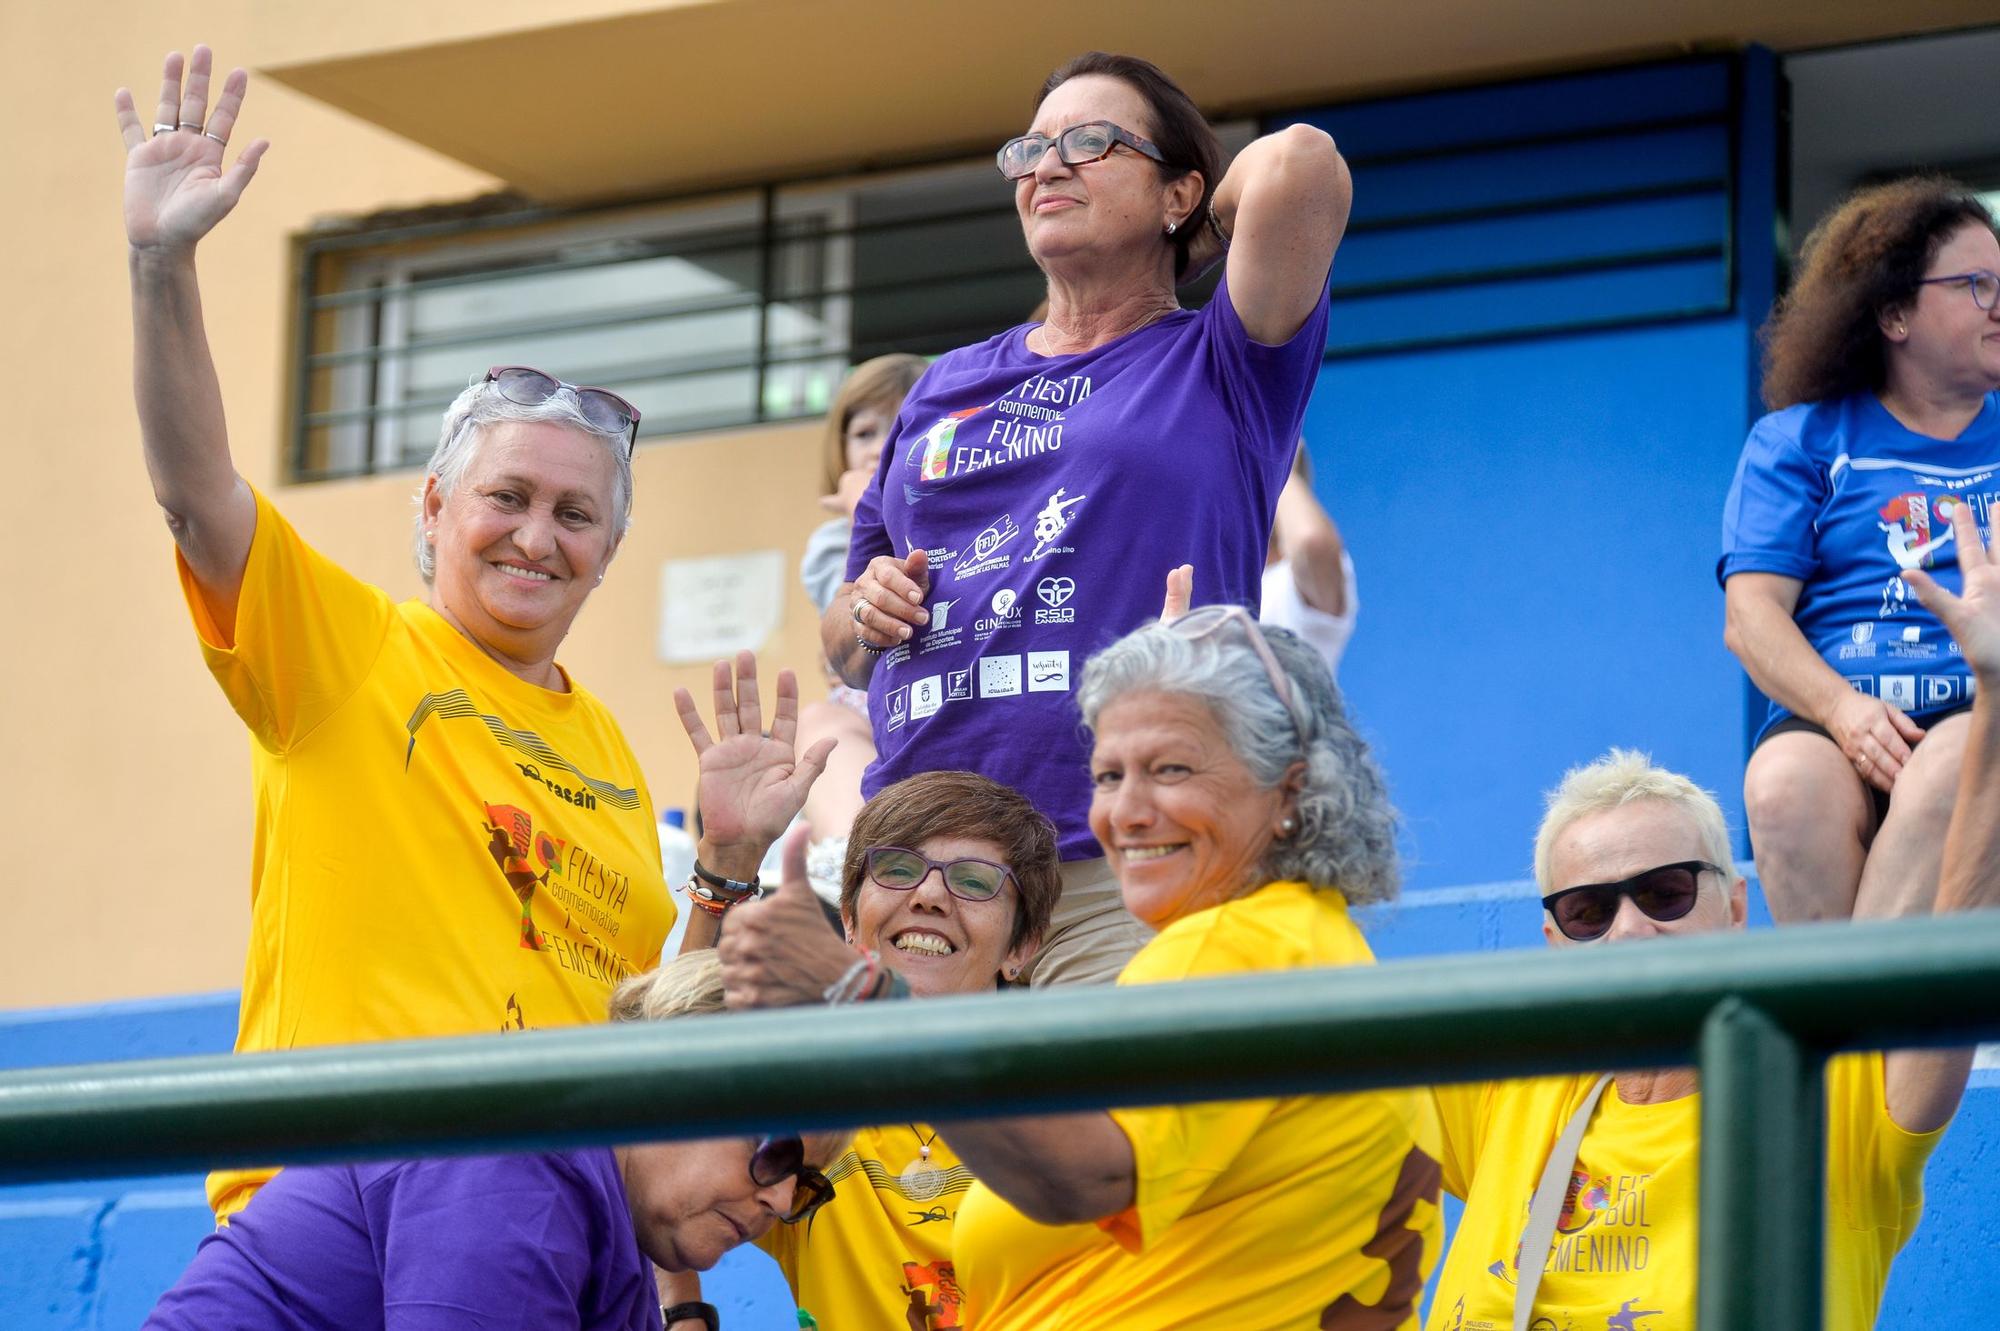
1627, 1318
1906, 521
511, 832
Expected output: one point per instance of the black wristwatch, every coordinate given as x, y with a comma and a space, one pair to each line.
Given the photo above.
680, 1312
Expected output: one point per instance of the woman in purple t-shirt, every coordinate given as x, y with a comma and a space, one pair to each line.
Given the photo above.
552, 1239
1040, 485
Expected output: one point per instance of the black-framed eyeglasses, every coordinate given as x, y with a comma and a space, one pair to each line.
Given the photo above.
1984, 285
779, 1158
526, 386
1092, 141
968, 879
1665, 893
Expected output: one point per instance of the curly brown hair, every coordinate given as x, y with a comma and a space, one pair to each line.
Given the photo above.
1822, 340
961, 804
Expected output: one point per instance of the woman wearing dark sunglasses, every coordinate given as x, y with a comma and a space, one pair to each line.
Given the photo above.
552, 1239
948, 884
451, 836
1629, 852
1883, 375
1040, 484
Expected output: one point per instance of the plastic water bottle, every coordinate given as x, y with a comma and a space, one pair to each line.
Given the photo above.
676, 864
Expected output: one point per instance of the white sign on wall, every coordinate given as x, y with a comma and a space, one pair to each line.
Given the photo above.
713, 608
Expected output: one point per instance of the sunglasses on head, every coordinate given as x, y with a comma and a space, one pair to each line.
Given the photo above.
1584, 913
968, 879
526, 386
779, 1158
1196, 624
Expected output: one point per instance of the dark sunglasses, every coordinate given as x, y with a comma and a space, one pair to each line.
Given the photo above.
526, 386
1092, 141
902, 870
779, 1158
1584, 913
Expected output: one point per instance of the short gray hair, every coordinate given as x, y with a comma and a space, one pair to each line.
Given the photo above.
1618, 778
1346, 840
465, 422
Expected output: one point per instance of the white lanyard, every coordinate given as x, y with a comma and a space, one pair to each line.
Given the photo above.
1546, 1206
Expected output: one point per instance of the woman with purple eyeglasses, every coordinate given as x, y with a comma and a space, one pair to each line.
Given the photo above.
451, 835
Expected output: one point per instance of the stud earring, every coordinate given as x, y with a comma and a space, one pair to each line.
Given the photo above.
1171, 227
1288, 826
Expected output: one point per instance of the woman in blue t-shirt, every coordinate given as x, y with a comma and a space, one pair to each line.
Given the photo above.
1040, 484
1882, 366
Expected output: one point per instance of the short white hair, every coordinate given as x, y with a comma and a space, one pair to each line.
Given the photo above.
464, 426
1617, 779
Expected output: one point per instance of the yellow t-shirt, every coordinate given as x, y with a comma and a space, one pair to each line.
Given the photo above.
1301, 1212
1624, 1252
441, 848
879, 1254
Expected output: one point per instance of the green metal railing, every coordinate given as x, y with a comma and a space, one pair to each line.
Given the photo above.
1758, 1012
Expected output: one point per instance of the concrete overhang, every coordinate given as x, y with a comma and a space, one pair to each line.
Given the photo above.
673, 97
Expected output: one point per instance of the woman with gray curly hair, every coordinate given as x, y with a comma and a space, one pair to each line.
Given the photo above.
451, 836
1243, 816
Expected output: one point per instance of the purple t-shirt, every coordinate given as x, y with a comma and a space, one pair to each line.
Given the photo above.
1842, 497
1053, 494
486, 1242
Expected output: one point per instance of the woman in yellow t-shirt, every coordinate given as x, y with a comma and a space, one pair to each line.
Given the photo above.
1629, 851
451, 836
1242, 815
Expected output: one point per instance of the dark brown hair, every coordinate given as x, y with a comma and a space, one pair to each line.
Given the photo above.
1823, 340
962, 804
881, 383
1179, 131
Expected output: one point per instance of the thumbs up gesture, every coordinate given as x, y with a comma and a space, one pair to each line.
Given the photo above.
778, 951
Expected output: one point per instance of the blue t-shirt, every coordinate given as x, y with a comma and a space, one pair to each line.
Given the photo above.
1842, 497
1053, 494
528, 1241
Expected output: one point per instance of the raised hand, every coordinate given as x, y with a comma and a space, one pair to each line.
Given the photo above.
1973, 615
1180, 593
778, 952
176, 188
750, 785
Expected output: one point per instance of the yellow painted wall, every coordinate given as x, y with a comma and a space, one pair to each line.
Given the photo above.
126, 775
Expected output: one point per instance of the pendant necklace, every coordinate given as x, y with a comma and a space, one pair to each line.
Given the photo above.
921, 1179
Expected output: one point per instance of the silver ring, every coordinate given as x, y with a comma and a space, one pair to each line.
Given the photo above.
162, 127
217, 137
189, 124
860, 604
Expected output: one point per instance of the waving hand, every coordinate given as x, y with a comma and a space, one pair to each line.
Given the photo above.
176, 186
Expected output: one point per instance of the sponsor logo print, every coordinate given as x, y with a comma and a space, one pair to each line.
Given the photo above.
1055, 594
958, 685
1913, 633
1048, 672
1006, 615
898, 708
1861, 632
1900, 690
999, 676
988, 550
1051, 523
926, 696
941, 615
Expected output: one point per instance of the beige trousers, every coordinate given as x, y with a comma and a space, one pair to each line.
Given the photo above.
1091, 935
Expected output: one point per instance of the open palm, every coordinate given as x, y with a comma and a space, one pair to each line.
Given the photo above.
176, 186
1972, 616
751, 784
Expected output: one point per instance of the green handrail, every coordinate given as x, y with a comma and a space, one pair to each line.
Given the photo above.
1758, 1011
